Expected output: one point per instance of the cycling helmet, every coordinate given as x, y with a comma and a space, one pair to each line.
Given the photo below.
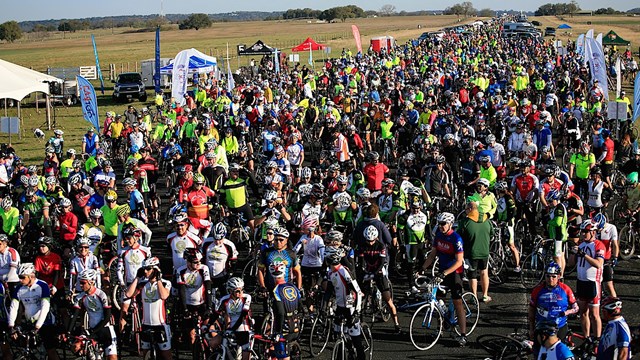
612, 305
83, 241
134, 149
272, 165
124, 210
402, 172
71, 152
219, 231
243, 148
51, 180
600, 219
632, 178
334, 236
414, 191
210, 155
306, 172
271, 223
485, 159
333, 254
234, 167
111, 195
373, 156
234, 283
152, 262
26, 269
30, 192
32, 169
490, 138
410, 156
446, 217
4, 238
334, 167
514, 160
584, 147
95, 213
501, 186
545, 149
49, 150
281, 232
199, 178
106, 163
129, 182
342, 179
547, 327
553, 268
440, 159
24, 179
180, 217
587, 225
45, 240
363, 193
596, 171
483, 181
451, 137
76, 163
550, 170
7, 203
64, 202
75, 179
388, 182
277, 269
192, 255
553, 195
270, 195
278, 150
33, 181
132, 162
310, 223
88, 275
416, 204
371, 233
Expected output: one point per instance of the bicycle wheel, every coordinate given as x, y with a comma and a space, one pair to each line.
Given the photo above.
385, 311
566, 157
426, 327
627, 243
249, 273
472, 312
496, 345
533, 267
116, 295
319, 336
496, 269
522, 234
295, 352
367, 340
338, 352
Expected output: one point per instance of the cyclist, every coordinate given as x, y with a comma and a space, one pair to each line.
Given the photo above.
9, 263
34, 296
235, 310
373, 264
84, 260
35, 215
49, 268
68, 225
590, 260
194, 288
487, 203
286, 308
348, 296
416, 230
10, 217
557, 227
141, 230
616, 337
94, 231
4, 327
235, 190
97, 306
525, 186
448, 248
506, 210
181, 239
137, 205
313, 248
279, 253
580, 166
155, 291
220, 256
552, 348
608, 235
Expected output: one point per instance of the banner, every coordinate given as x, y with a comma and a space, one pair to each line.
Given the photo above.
636, 98
230, 82
95, 52
599, 39
580, 45
156, 72
618, 77
356, 35
311, 56
180, 76
595, 57
589, 34
89, 103
276, 60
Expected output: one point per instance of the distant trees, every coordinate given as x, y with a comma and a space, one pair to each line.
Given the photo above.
607, 11
74, 25
387, 10
301, 13
466, 9
10, 31
342, 13
558, 9
195, 21
486, 13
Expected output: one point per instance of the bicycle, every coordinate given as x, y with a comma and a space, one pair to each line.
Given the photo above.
628, 238
535, 264
373, 305
85, 348
239, 233
515, 346
266, 343
321, 330
28, 345
429, 319
229, 349
343, 349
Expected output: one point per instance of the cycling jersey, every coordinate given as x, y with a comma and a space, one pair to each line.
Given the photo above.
582, 164
616, 335
525, 184
313, 250
557, 351
78, 265
235, 308
448, 245
193, 282
416, 226
595, 193
557, 225
94, 303
4, 314
153, 307
608, 234
219, 258
552, 303
10, 220
345, 288
587, 272
285, 256
372, 257
130, 261
235, 192
178, 244
35, 300
47, 265
9, 261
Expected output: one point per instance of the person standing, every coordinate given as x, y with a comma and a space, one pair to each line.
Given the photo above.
552, 347
475, 230
616, 338
590, 260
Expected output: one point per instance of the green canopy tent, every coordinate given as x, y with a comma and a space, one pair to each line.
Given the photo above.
613, 39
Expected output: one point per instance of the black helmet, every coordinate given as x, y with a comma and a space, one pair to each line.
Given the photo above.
547, 327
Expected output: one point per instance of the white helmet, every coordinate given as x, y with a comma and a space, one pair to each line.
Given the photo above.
371, 233
306, 172
129, 182
483, 181
334, 236
363, 193
26, 269
7, 203
272, 164
234, 283
151, 262
270, 195
95, 213
219, 231
64, 202
83, 241
74, 179
88, 275
446, 217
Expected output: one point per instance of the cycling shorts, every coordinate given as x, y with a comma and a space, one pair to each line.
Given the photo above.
558, 248
453, 282
588, 291
108, 339
162, 335
607, 272
475, 265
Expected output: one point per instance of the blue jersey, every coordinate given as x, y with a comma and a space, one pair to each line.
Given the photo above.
558, 351
616, 335
448, 246
550, 303
270, 256
96, 201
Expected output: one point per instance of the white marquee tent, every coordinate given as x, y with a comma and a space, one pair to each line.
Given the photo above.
18, 81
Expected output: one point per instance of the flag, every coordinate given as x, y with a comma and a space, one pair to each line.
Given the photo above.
95, 52
276, 61
589, 34
599, 39
156, 75
618, 77
636, 98
356, 35
230, 82
88, 102
595, 57
311, 55
580, 44
180, 76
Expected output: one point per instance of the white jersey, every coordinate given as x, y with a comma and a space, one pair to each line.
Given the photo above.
595, 193
193, 283
154, 312
234, 309
294, 154
608, 234
516, 142
80, 264
9, 262
587, 272
498, 153
179, 243
313, 250
130, 261
36, 300
94, 304
312, 209
342, 284
217, 257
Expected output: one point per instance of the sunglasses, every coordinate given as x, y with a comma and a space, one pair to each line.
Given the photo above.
281, 240
270, 233
83, 247
147, 268
552, 276
22, 277
442, 223
237, 291
181, 224
84, 282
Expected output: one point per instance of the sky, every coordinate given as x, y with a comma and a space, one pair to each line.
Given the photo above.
22, 10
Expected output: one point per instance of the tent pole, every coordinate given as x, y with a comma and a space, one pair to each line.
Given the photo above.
48, 112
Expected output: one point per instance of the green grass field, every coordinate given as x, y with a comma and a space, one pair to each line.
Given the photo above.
124, 47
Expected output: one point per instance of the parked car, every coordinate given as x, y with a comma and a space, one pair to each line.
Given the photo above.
128, 86
550, 31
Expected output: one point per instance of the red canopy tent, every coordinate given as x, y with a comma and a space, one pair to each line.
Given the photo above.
308, 45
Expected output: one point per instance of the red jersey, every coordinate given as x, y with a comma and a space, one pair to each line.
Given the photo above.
68, 232
374, 175
46, 265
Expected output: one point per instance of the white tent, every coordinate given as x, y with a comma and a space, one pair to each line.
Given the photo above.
181, 68
18, 81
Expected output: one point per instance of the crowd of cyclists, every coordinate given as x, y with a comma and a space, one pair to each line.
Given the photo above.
331, 181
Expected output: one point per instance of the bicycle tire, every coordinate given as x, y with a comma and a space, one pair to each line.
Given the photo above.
472, 312
627, 243
496, 344
249, 273
116, 291
338, 352
532, 270
496, 268
426, 324
295, 351
322, 328
368, 340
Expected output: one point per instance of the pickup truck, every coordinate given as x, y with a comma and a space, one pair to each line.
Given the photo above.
128, 86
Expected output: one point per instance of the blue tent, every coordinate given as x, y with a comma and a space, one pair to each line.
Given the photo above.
564, 26
196, 65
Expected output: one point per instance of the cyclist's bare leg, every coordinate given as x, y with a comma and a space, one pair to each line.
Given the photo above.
123, 316
462, 316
